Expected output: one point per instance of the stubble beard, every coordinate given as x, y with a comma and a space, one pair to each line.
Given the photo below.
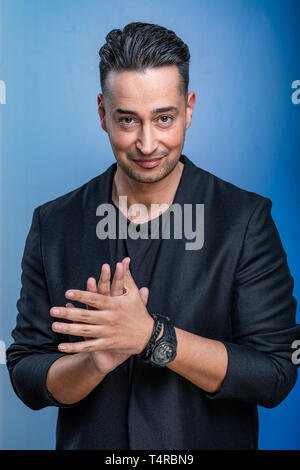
165, 168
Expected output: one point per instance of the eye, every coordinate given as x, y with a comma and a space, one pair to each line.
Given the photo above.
165, 120
126, 121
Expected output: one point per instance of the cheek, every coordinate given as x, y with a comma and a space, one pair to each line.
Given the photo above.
174, 137
121, 140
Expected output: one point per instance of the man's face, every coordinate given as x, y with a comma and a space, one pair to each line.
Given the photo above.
146, 118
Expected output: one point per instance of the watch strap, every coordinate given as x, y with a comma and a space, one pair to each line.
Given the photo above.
166, 341
168, 333
168, 336
157, 326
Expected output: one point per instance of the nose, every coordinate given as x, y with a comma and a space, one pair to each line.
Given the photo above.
147, 142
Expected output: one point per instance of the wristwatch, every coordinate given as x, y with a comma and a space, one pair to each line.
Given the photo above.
157, 326
164, 350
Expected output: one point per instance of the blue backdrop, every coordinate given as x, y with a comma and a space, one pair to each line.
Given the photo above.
245, 59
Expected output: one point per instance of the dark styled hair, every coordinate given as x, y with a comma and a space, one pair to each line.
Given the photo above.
140, 46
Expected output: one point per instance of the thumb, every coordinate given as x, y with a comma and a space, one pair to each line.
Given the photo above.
128, 279
144, 293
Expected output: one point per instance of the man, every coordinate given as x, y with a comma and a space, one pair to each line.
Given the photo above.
185, 343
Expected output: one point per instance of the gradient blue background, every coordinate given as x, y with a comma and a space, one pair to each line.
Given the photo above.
245, 56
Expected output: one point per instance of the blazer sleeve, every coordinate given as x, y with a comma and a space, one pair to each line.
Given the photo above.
260, 368
35, 344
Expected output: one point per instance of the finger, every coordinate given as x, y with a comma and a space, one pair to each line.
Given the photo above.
78, 329
73, 306
128, 279
91, 286
144, 293
81, 315
126, 262
83, 346
104, 280
99, 301
117, 286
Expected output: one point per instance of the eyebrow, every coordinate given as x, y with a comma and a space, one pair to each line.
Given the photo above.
154, 111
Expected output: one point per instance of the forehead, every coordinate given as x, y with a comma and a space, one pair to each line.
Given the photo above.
155, 86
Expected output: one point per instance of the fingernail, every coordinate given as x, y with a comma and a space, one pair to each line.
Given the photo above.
62, 347
69, 293
55, 311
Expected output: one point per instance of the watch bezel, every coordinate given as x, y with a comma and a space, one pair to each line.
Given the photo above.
157, 347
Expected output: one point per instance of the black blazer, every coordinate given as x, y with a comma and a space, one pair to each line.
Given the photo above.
237, 289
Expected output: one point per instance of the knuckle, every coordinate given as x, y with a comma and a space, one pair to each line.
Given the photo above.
114, 319
107, 343
118, 305
86, 331
84, 316
87, 347
65, 311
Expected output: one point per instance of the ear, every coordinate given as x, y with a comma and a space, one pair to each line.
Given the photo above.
191, 100
101, 111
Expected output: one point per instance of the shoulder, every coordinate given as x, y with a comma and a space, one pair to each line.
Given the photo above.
224, 197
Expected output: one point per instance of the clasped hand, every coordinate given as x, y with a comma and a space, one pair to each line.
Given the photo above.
115, 324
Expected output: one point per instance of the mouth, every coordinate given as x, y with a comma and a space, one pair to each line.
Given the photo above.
151, 163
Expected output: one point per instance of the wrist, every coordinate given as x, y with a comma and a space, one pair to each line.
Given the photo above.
162, 346
161, 333
92, 367
156, 334
146, 334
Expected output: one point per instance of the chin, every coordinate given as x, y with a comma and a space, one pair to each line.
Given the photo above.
154, 175
142, 177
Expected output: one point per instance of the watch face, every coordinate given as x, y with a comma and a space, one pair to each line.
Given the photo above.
164, 352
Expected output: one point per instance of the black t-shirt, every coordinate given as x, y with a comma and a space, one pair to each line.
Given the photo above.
142, 250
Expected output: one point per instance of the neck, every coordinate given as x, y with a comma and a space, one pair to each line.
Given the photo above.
161, 192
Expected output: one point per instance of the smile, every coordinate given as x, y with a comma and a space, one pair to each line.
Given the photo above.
148, 163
